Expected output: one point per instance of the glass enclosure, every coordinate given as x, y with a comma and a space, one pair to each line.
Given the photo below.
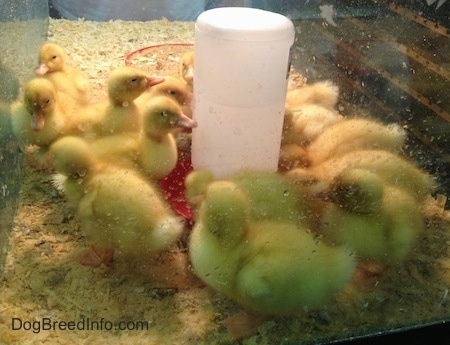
105, 239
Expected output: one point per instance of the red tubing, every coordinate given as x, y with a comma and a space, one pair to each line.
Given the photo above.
132, 55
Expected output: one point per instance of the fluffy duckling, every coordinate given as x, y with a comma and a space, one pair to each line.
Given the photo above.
378, 221
355, 134
125, 84
271, 195
117, 206
119, 114
323, 93
158, 152
391, 168
304, 124
38, 119
172, 87
54, 66
187, 68
269, 267
153, 150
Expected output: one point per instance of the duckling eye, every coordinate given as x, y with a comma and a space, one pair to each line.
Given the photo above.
171, 92
134, 80
163, 114
47, 101
54, 57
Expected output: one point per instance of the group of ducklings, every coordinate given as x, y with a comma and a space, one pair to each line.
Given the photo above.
108, 154
345, 204
276, 243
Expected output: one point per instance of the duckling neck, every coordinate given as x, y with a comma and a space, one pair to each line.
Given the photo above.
157, 137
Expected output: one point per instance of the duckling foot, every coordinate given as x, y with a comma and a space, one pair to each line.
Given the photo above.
242, 325
94, 256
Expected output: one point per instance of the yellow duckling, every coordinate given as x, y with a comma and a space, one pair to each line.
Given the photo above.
125, 84
174, 88
391, 168
355, 134
54, 65
378, 221
152, 150
269, 267
158, 152
119, 114
323, 93
187, 68
304, 124
117, 206
38, 119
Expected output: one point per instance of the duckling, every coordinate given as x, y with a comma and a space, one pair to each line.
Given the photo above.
292, 156
125, 84
172, 87
304, 124
391, 168
377, 220
152, 150
54, 66
119, 114
38, 119
187, 68
158, 152
269, 267
323, 93
355, 134
272, 196
117, 206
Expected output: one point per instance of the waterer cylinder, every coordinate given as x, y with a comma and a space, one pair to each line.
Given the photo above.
242, 60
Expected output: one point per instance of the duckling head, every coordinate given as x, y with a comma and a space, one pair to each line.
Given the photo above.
196, 183
51, 58
174, 88
39, 100
162, 114
187, 67
71, 156
126, 83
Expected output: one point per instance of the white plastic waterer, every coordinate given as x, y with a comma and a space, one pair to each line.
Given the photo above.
242, 58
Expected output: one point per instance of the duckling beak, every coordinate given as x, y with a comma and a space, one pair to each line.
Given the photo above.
189, 76
37, 121
152, 81
42, 69
186, 122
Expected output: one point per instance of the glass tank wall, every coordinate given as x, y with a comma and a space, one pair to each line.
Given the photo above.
106, 239
23, 26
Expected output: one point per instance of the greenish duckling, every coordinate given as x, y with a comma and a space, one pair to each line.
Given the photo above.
378, 221
271, 195
271, 267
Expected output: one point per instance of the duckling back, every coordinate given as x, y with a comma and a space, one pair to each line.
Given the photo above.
377, 220
116, 205
355, 134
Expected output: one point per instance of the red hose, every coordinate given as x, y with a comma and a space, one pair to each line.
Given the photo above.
133, 54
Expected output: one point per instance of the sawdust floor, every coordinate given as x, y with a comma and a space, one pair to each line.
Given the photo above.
42, 281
